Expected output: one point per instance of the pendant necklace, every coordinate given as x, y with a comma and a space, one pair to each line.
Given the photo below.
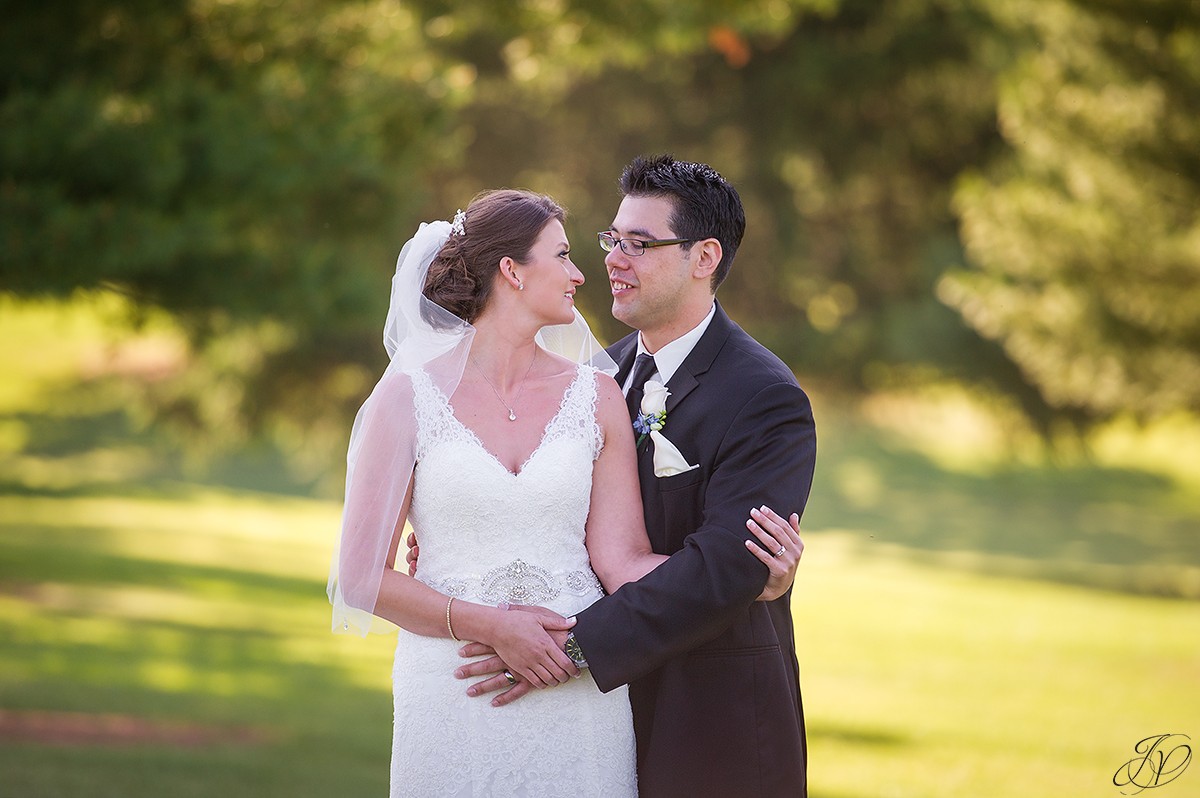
512, 415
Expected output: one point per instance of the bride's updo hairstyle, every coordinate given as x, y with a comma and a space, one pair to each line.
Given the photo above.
497, 224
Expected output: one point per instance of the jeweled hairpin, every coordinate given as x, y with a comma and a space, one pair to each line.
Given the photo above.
459, 225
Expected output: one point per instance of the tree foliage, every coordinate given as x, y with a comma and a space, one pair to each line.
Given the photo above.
1085, 237
252, 167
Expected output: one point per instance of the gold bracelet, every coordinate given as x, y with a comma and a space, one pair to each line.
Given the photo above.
448, 626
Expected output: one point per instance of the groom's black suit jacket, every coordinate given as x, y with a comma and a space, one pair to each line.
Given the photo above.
713, 675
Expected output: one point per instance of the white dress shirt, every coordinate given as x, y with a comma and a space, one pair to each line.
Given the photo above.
670, 357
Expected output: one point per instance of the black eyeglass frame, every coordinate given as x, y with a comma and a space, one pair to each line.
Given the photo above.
606, 237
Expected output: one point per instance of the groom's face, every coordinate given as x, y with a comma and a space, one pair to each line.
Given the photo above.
648, 290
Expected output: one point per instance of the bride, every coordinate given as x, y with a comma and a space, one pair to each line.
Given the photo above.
498, 432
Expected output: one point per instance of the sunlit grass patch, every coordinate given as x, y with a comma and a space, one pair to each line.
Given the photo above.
969, 622
922, 681
191, 606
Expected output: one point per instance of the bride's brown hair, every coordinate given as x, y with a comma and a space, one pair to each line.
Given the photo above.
498, 224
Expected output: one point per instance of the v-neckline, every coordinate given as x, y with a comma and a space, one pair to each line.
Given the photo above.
562, 405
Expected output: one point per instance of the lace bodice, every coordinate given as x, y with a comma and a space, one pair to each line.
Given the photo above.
494, 536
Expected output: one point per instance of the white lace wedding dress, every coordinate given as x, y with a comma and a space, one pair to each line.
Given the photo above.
491, 536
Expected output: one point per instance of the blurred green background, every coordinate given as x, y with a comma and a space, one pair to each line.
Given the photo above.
973, 234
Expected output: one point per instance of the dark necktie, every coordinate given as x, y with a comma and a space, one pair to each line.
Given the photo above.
643, 367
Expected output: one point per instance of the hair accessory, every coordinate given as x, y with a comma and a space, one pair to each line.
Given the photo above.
419, 335
459, 226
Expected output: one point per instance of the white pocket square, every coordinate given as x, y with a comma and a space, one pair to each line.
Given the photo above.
667, 459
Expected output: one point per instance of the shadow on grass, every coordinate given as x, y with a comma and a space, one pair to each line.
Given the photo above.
856, 735
319, 734
32, 553
1099, 527
74, 444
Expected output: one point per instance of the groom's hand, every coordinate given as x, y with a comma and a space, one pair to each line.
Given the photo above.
494, 668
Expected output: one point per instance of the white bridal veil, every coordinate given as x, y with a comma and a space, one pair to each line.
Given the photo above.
418, 334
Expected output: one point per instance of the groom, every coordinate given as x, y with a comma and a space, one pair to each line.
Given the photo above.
712, 674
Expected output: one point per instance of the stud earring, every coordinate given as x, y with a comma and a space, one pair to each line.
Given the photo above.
520, 286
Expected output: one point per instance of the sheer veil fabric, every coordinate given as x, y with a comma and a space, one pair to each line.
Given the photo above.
418, 335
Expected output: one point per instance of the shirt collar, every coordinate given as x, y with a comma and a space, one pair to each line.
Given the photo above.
670, 357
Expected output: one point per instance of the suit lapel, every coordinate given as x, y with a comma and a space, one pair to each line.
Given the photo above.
624, 352
687, 377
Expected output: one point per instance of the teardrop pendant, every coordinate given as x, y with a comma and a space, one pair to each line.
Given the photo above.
512, 416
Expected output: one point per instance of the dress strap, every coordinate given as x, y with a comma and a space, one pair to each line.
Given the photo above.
577, 415
435, 421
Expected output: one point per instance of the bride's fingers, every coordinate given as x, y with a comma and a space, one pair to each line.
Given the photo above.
557, 668
411, 555
767, 553
781, 533
773, 565
537, 675
780, 529
781, 547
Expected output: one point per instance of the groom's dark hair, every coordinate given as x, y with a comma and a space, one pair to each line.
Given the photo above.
704, 204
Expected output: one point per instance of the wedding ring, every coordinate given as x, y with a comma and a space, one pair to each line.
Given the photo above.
511, 679
780, 552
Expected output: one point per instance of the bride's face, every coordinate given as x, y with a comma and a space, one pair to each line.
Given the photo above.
550, 277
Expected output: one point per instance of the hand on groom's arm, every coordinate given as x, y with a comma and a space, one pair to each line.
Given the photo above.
780, 550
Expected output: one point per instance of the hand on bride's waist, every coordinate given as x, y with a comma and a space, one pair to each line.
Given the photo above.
530, 642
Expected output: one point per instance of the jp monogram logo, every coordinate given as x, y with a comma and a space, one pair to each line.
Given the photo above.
1161, 759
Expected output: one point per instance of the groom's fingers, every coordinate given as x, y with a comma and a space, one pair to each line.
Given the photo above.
509, 696
475, 650
500, 682
483, 667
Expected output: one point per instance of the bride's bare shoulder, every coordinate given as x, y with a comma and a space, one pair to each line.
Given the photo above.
559, 365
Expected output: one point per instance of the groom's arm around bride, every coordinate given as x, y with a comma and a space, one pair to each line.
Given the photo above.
713, 674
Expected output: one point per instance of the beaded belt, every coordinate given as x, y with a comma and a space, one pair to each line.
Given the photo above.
520, 583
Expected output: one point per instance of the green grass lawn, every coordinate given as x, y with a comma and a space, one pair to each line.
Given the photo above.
967, 626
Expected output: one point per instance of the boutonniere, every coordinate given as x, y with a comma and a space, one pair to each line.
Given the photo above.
653, 413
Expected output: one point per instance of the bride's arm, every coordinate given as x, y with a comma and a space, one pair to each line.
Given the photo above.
616, 529
522, 639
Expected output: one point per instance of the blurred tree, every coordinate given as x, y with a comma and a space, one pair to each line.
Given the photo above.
232, 162
1085, 241
844, 125
253, 167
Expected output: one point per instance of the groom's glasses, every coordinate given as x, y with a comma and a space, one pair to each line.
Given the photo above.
636, 246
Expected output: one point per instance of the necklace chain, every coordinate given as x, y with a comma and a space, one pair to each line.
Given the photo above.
512, 415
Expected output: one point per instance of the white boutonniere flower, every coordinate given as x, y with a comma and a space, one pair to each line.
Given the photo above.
653, 413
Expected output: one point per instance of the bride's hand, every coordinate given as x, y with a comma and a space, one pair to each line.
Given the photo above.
414, 551
531, 644
783, 549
